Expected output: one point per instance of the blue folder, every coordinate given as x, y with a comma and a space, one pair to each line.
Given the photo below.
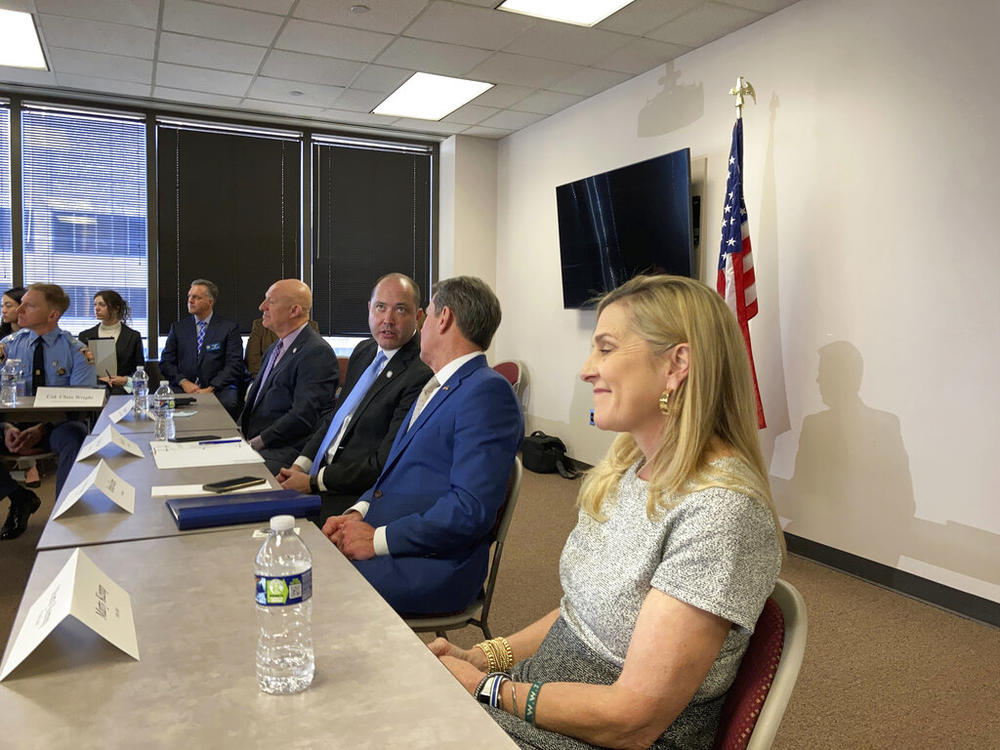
243, 507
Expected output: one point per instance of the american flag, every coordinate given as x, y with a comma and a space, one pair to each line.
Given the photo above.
736, 281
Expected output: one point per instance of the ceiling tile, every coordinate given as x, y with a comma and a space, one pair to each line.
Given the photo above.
382, 78
282, 108
705, 24
512, 120
102, 85
97, 36
589, 81
429, 126
220, 22
503, 95
521, 71
642, 55
298, 67
355, 100
132, 12
642, 16
464, 24
389, 16
202, 79
209, 53
547, 102
358, 118
279, 90
561, 41
280, 7
762, 6
26, 76
432, 57
115, 67
332, 41
480, 132
471, 114
195, 97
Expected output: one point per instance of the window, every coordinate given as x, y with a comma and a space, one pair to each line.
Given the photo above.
229, 212
6, 246
373, 216
84, 188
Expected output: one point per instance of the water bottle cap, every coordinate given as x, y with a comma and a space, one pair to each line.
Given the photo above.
282, 523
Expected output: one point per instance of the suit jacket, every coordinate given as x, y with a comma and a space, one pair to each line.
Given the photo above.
368, 438
220, 363
440, 491
299, 391
259, 340
128, 348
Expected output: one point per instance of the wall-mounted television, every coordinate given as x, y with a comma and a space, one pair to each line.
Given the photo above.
631, 220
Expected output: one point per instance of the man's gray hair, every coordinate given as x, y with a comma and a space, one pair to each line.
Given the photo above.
213, 290
474, 305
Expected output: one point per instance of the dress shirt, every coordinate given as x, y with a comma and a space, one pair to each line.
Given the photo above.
442, 375
65, 361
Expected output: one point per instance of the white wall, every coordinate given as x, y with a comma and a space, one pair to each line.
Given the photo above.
870, 171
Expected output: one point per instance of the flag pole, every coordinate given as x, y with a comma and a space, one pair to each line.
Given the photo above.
743, 88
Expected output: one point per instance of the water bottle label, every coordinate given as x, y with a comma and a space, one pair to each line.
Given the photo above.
284, 591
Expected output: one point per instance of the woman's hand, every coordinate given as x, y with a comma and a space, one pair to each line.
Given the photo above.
442, 647
464, 672
119, 380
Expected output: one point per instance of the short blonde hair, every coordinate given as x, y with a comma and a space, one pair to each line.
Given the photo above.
715, 400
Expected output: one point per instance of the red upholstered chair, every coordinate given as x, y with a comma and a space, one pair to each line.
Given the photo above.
514, 372
758, 696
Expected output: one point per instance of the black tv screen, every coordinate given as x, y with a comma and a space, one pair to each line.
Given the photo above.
631, 220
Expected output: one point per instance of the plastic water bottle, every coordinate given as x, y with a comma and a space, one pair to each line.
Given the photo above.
163, 412
283, 569
140, 391
8, 383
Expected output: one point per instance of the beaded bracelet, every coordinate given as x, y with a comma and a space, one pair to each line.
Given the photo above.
498, 653
530, 701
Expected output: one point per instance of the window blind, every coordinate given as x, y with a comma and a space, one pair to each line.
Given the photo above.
6, 245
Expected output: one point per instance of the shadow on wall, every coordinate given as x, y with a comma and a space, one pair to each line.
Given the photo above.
674, 107
852, 487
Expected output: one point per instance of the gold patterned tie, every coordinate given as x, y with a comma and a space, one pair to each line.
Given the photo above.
423, 398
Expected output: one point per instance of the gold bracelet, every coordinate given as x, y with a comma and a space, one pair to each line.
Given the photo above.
513, 697
504, 650
491, 660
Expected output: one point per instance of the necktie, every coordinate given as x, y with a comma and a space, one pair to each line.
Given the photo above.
38, 366
423, 398
276, 352
202, 325
347, 408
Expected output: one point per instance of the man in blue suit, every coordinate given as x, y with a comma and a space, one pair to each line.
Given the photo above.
204, 353
297, 381
421, 534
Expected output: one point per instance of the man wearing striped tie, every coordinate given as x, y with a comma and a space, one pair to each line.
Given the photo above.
347, 451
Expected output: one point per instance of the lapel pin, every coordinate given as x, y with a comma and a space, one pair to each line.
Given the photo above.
388, 373
295, 350
444, 388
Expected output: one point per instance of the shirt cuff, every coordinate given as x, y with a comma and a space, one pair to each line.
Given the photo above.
379, 542
319, 481
304, 462
361, 506
256, 443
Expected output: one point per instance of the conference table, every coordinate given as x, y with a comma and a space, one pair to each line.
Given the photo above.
376, 685
205, 415
194, 685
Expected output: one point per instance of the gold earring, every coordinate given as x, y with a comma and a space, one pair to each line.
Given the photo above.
665, 402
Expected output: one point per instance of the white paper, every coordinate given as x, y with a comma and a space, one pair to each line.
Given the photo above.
195, 490
109, 435
194, 455
82, 590
118, 414
69, 397
117, 490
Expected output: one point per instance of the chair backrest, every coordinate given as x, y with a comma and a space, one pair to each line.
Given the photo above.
759, 695
500, 533
514, 372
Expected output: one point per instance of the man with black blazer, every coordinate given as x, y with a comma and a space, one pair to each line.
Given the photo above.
346, 453
297, 383
204, 352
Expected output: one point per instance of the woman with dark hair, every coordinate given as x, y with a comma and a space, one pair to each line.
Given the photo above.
8, 310
112, 310
675, 551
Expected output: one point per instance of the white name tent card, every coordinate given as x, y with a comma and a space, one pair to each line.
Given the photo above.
116, 489
211, 453
118, 414
109, 435
85, 592
70, 397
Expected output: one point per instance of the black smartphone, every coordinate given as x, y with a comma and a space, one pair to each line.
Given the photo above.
228, 485
191, 438
184, 400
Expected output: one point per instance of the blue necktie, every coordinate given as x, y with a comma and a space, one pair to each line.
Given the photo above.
202, 325
275, 353
347, 408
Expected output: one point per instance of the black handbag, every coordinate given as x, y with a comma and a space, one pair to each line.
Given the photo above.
544, 454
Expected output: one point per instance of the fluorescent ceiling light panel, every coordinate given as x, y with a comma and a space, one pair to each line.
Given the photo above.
19, 45
429, 97
578, 12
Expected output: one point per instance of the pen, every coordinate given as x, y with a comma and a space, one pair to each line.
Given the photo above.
109, 374
217, 442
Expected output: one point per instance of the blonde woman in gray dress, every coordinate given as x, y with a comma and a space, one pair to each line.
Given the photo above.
676, 548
